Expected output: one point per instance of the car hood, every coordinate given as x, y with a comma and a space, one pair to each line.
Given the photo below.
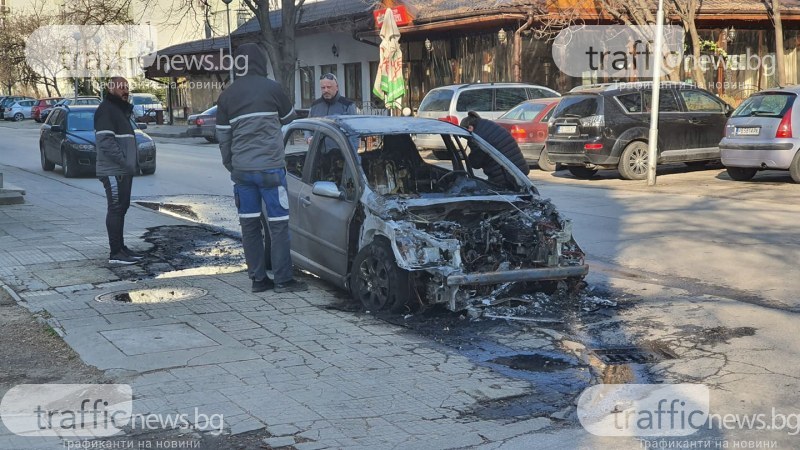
88, 137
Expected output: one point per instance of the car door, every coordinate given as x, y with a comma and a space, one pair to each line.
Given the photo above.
296, 143
706, 119
323, 223
671, 125
53, 140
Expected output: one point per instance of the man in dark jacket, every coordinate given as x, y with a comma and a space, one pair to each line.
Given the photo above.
249, 117
331, 103
499, 138
117, 163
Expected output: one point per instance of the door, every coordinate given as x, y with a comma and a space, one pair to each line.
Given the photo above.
53, 139
671, 125
323, 223
706, 119
297, 142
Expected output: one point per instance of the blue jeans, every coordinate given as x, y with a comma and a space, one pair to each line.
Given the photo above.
251, 190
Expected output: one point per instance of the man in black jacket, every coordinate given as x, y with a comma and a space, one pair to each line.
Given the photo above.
499, 138
249, 117
117, 163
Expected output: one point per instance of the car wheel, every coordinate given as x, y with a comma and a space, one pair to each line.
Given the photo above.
441, 155
741, 173
213, 140
794, 169
633, 162
149, 170
582, 172
19, 117
545, 163
70, 171
377, 282
47, 166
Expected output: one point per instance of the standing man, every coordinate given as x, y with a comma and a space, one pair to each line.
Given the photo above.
249, 117
117, 163
499, 138
331, 103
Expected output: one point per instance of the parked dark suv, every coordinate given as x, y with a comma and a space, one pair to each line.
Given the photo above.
607, 127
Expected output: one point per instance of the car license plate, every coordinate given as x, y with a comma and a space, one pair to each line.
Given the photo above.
566, 129
749, 131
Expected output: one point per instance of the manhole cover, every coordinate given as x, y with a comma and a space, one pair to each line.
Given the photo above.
635, 355
152, 295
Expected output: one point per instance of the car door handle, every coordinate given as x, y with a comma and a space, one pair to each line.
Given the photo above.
306, 201
697, 121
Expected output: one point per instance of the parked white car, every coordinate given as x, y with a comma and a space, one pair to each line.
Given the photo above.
145, 105
19, 110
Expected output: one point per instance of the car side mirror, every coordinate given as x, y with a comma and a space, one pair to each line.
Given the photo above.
141, 126
327, 189
56, 129
728, 109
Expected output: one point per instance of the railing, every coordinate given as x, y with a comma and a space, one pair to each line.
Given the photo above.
368, 108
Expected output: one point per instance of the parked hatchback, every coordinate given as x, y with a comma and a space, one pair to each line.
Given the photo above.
490, 100
527, 123
607, 127
67, 139
8, 101
761, 135
41, 105
19, 110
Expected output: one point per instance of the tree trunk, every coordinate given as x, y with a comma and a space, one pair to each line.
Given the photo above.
779, 62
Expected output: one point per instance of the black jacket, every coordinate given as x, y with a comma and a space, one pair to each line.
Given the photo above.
249, 117
114, 138
502, 140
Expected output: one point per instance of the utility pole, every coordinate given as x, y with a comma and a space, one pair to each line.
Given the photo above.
652, 149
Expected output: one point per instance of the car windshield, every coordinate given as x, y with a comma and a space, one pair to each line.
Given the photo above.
577, 106
80, 121
144, 99
770, 104
393, 166
437, 100
524, 111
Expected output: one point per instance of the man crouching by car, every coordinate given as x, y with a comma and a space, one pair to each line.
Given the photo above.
117, 163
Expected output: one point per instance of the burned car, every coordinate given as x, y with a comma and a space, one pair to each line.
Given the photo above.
371, 215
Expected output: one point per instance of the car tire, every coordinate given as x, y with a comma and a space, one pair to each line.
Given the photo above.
582, 172
213, 140
633, 162
741, 173
19, 117
377, 282
545, 163
794, 169
149, 171
47, 166
442, 155
70, 171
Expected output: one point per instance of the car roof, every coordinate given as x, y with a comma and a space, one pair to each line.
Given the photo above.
794, 89
478, 85
79, 108
368, 125
626, 86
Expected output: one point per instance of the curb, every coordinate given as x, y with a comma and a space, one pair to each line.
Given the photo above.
167, 135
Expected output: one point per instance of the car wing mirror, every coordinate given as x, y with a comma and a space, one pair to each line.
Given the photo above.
327, 189
141, 126
56, 129
728, 109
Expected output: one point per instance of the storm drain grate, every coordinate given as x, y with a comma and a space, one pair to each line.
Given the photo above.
634, 355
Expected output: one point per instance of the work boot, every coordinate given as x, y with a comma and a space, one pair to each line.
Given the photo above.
290, 286
262, 285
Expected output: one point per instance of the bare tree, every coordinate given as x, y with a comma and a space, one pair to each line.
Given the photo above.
774, 10
687, 11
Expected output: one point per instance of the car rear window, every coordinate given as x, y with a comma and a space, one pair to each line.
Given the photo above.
210, 111
578, 106
475, 100
769, 104
437, 100
524, 111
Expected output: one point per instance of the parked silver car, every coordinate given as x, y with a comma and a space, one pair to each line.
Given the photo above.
369, 214
19, 110
762, 133
145, 105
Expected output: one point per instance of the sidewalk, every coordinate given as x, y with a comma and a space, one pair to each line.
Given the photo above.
167, 131
311, 377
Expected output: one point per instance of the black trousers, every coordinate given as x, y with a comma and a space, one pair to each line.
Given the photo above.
118, 195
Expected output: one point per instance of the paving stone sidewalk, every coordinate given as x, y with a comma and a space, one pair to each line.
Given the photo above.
312, 377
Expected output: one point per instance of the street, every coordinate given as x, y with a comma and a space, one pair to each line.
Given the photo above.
699, 266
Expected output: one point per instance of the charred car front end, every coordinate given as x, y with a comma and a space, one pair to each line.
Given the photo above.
417, 232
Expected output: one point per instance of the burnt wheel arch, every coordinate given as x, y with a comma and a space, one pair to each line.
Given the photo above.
377, 282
